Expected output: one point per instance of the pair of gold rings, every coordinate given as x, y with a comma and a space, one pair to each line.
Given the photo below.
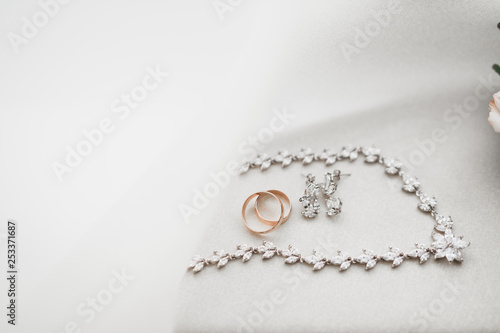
274, 224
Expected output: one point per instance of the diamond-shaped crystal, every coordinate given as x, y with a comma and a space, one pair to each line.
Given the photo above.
389, 256
308, 159
244, 168
397, 261
286, 161
247, 256
311, 260
371, 263
214, 259
330, 160
268, 254
424, 257
333, 205
319, 265
363, 259
265, 164
198, 267
345, 265
291, 260
222, 262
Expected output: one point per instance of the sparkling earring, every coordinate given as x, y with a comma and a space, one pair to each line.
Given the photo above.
310, 199
333, 204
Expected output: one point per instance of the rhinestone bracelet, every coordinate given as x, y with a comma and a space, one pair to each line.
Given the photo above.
445, 244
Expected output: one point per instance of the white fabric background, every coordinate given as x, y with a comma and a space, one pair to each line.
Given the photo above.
119, 210
400, 86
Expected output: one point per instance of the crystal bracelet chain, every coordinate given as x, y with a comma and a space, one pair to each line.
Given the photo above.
445, 243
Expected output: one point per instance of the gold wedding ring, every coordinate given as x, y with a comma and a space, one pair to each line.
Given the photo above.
274, 224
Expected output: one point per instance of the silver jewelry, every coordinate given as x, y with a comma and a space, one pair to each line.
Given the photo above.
445, 243
310, 199
333, 204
